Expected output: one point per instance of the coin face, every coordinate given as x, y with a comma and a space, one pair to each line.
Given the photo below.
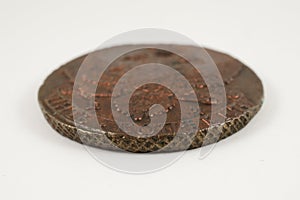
95, 122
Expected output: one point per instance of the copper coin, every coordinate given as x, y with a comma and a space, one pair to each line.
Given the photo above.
244, 97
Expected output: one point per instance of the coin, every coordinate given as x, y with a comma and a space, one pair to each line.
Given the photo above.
244, 97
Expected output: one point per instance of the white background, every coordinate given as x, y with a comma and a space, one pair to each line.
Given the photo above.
260, 162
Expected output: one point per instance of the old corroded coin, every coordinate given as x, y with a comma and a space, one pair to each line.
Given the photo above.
244, 95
